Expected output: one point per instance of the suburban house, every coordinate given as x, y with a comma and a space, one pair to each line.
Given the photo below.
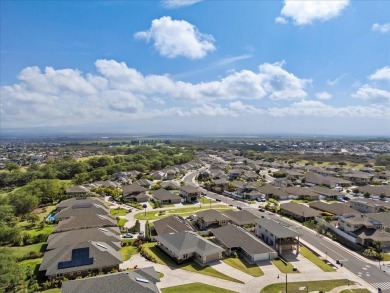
187, 245
271, 191
299, 211
241, 218
359, 178
165, 196
364, 229
301, 193
330, 181
81, 209
79, 200
189, 193
158, 175
72, 261
365, 205
84, 222
106, 183
172, 224
144, 183
235, 173
383, 218
78, 190
140, 280
133, 191
110, 235
335, 208
326, 192
381, 192
237, 239
211, 219
170, 175
277, 235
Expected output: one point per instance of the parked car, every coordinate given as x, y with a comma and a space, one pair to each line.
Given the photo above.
128, 235
262, 210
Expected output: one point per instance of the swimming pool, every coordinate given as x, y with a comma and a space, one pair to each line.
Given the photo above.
51, 217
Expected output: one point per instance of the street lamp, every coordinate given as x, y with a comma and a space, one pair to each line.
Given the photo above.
286, 280
144, 206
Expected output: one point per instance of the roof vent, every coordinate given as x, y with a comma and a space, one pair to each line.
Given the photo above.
101, 245
141, 280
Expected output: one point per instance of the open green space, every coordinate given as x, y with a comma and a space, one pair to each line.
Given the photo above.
241, 264
325, 285
154, 215
118, 212
122, 222
355, 291
32, 263
162, 258
128, 251
284, 267
205, 200
386, 257
316, 260
21, 251
195, 288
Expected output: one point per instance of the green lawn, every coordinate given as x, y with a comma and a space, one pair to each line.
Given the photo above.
316, 260
122, 222
386, 256
160, 275
355, 291
32, 263
325, 285
283, 267
20, 251
205, 200
193, 266
195, 288
153, 215
241, 264
118, 212
128, 251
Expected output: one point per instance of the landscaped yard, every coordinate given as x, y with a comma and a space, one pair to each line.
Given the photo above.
386, 256
128, 251
32, 263
154, 215
205, 200
285, 268
241, 264
294, 287
118, 212
122, 222
195, 288
193, 266
316, 260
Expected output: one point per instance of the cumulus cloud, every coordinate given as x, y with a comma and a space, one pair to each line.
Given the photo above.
281, 20
382, 28
369, 93
323, 96
174, 38
178, 3
335, 81
306, 12
381, 74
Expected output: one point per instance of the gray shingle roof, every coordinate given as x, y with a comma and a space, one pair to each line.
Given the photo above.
171, 224
184, 241
335, 208
299, 209
79, 200
103, 255
189, 189
108, 234
241, 217
163, 194
83, 222
82, 209
278, 229
233, 236
114, 283
211, 216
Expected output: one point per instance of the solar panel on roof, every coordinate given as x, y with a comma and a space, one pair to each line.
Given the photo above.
80, 257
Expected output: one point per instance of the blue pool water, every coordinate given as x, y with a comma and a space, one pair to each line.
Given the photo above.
51, 217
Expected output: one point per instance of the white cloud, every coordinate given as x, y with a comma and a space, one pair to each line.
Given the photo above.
367, 92
178, 3
382, 28
335, 81
174, 38
281, 20
323, 96
305, 12
381, 74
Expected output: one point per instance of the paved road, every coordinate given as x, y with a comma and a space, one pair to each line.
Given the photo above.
357, 265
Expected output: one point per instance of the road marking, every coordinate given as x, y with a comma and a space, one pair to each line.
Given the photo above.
332, 250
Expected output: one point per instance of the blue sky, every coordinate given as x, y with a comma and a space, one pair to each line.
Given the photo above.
197, 67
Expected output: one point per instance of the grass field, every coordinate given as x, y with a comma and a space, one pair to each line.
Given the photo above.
241, 264
32, 263
122, 222
193, 266
285, 268
118, 212
316, 260
20, 251
195, 288
153, 215
128, 251
312, 285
